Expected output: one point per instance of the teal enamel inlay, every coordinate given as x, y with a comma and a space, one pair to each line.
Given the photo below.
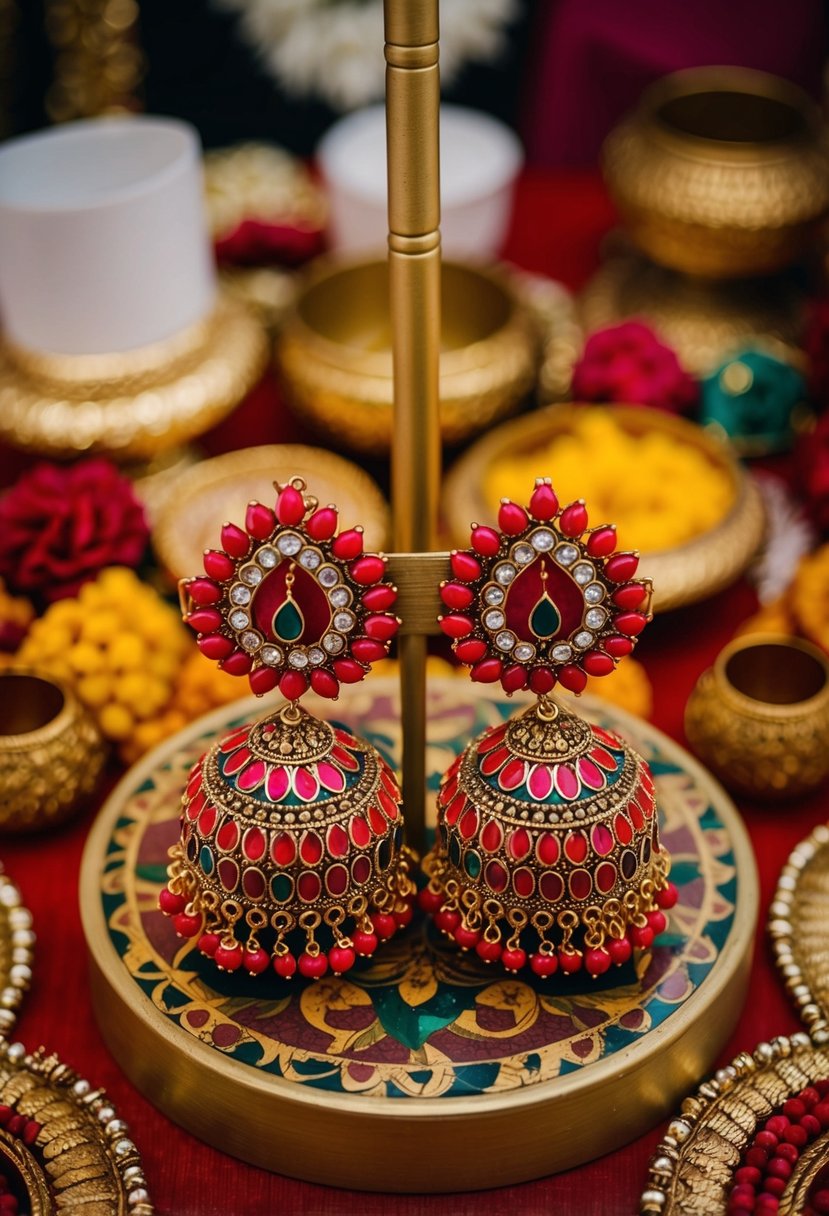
282, 887
545, 619
288, 622
206, 860
472, 863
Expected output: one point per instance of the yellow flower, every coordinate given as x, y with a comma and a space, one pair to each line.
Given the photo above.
628, 687
809, 597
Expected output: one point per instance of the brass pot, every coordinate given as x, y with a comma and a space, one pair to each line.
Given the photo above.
335, 352
51, 751
721, 171
759, 717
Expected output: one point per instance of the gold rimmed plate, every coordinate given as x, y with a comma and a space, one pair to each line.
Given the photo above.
16, 942
798, 920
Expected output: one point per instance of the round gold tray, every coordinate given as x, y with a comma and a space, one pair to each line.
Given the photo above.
415, 1071
221, 488
682, 575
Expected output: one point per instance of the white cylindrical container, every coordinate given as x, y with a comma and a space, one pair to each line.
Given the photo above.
103, 237
480, 158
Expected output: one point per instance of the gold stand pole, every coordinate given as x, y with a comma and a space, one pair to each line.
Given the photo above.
412, 138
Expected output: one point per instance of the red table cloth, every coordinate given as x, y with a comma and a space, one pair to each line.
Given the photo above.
558, 224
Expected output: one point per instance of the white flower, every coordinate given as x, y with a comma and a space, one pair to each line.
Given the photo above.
789, 537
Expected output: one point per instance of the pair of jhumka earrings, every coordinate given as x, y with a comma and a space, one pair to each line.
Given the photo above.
291, 855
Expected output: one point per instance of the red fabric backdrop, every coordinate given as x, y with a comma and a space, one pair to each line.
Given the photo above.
559, 222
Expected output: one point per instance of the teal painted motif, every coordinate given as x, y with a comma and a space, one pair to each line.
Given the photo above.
545, 619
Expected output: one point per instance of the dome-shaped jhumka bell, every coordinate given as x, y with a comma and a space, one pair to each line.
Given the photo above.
548, 851
290, 854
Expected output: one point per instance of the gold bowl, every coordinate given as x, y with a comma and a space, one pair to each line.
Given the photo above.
721, 171
51, 751
335, 352
759, 718
681, 575
219, 489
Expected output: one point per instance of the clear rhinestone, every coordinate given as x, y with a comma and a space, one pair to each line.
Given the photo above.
524, 651
505, 640
583, 639
595, 618
289, 544
251, 640
298, 658
333, 643
494, 619
16, 1053
494, 595
594, 593
522, 554
239, 594
81, 1088
123, 1148
271, 655
583, 573
340, 597
542, 540
328, 576
563, 653
251, 575
316, 656
239, 619
267, 557
309, 559
344, 621
505, 572
565, 555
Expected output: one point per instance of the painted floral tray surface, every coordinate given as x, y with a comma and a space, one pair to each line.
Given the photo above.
420, 1020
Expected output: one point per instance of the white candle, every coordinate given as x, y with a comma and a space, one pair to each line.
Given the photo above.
103, 237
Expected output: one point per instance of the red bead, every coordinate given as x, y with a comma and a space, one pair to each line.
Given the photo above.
512, 519
290, 506
187, 924
543, 501
667, 897
543, 965
368, 569
657, 921
260, 520
377, 599
324, 684
487, 671
573, 519
237, 664
602, 542
811, 1125
403, 916
312, 966
447, 920
542, 680
430, 901
620, 950
820, 1201
349, 671
621, 567
228, 958
794, 1108
263, 680
470, 650
569, 961
749, 1174
203, 591
789, 1152
366, 650
385, 925
629, 596
204, 620
489, 952
821, 1113
485, 541
641, 936
382, 627
464, 566
170, 903
796, 1135
348, 545
215, 645
514, 678
292, 684
209, 943
598, 664
809, 1096
322, 524
766, 1139
31, 1131
596, 962
364, 943
467, 939
778, 1167
218, 565
284, 965
455, 625
757, 1157
777, 1125
456, 595
618, 647
341, 958
255, 961
513, 958
234, 540
572, 678
630, 623
773, 1187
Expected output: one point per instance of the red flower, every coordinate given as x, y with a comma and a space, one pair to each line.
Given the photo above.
627, 363
812, 461
816, 344
60, 525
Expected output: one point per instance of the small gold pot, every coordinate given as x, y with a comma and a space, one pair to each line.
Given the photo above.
335, 352
759, 717
51, 751
721, 171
